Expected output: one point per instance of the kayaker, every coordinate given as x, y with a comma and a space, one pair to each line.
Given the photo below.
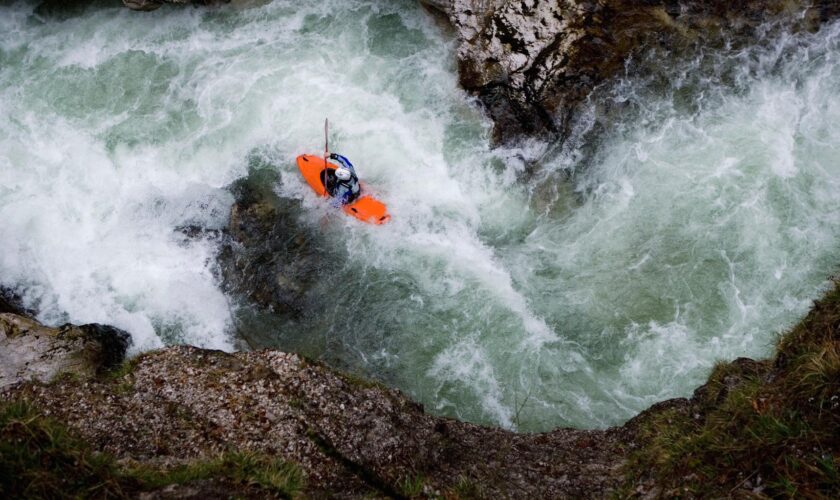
343, 185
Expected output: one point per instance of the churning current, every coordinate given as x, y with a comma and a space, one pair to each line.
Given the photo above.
702, 222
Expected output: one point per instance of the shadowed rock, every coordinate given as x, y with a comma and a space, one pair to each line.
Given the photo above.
149, 5
269, 256
532, 62
10, 303
30, 350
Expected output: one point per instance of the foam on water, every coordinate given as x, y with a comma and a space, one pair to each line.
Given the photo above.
705, 222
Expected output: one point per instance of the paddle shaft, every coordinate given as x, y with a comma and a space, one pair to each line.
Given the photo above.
326, 154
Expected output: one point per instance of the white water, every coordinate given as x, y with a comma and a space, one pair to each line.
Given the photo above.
706, 221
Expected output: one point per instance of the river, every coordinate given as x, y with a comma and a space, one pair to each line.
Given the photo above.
697, 226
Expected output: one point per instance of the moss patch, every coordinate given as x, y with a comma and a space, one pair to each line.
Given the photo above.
252, 469
39, 458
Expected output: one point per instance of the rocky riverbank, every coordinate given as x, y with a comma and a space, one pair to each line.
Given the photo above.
183, 422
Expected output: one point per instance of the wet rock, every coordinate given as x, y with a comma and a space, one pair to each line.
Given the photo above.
29, 350
533, 62
195, 232
149, 5
269, 256
113, 343
11, 303
143, 5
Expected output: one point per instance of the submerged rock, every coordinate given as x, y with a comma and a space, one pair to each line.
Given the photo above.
269, 256
10, 303
30, 350
149, 5
532, 62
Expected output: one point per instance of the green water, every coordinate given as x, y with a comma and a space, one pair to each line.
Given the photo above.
705, 221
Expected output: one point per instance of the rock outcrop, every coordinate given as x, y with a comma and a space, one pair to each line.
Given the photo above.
351, 438
531, 62
31, 351
268, 256
180, 407
149, 5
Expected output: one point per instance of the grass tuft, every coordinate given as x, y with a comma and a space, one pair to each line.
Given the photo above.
412, 486
467, 489
267, 473
39, 458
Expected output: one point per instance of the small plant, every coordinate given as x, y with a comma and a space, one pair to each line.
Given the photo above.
412, 486
126, 368
122, 375
466, 489
39, 458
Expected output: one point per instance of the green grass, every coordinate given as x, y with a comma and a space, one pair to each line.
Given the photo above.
39, 458
123, 375
411, 487
252, 469
768, 428
126, 368
466, 489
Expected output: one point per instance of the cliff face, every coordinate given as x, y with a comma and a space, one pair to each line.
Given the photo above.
532, 62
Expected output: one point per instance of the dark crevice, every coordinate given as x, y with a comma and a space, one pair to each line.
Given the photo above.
358, 470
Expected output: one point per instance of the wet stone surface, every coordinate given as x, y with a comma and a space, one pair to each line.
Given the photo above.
268, 256
531, 63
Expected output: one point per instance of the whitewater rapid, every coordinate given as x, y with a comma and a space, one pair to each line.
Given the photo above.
577, 293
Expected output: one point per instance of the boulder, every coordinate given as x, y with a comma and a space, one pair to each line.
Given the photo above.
30, 350
269, 256
149, 5
532, 62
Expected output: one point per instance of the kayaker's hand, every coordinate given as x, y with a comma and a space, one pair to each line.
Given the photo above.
333, 156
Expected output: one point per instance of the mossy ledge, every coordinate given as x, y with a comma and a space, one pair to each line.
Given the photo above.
188, 423
764, 428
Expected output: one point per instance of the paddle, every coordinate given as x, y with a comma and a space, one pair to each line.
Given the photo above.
326, 153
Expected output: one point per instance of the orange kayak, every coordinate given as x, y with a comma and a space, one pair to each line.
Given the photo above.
365, 208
